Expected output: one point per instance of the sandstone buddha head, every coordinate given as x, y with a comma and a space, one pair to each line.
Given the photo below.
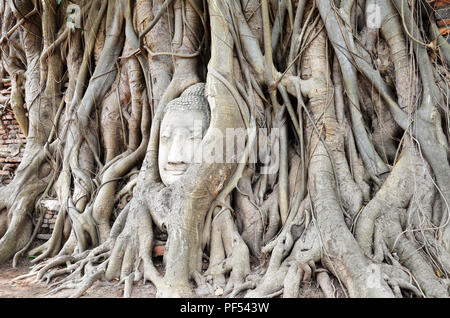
183, 126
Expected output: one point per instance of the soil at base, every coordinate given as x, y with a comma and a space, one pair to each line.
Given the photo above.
28, 288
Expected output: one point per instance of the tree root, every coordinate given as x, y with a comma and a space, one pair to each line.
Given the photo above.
228, 253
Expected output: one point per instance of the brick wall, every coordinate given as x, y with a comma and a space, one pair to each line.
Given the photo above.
50, 208
12, 143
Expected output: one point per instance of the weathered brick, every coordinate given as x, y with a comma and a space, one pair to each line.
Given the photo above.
158, 250
15, 160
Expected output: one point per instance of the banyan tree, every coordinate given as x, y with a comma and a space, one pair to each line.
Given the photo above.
262, 143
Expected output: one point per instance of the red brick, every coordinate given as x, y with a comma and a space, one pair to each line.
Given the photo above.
158, 250
11, 134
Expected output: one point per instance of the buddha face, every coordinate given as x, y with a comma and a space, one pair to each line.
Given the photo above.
180, 135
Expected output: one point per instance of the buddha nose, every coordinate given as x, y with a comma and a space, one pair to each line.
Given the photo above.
176, 153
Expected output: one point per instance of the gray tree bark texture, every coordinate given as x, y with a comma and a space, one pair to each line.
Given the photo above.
358, 90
